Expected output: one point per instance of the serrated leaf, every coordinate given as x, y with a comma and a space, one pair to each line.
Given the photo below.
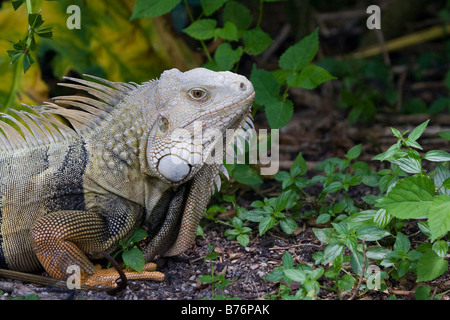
16, 4
439, 216
237, 13
35, 20
430, 266
279, 113
226, 57
256, 41
266, 86
229, 32
27, 62
309, 78
288, 261
152, 8
211, 6
411, 197
299, 166
134, 259
300, 54
402, 243
202, 29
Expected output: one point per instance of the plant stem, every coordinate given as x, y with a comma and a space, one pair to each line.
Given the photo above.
261, 5
15, 84
202, 43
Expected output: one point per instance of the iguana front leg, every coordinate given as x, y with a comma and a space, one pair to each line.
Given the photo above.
64, 238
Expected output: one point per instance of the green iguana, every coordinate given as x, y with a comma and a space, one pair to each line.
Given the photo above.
130, 157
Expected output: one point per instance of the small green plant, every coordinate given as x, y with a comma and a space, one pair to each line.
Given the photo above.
217, 282
304, 274
23, 48
130, 252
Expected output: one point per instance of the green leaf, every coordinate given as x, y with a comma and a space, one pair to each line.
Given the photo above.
211, 6
45, 32
422, 293
16, 4
237, 13
377, 253
229, 32
346, 282
27, 62
371, 233
243, 173
300, 54
323, 218
444, 134
276, 275
226, 57
439, 216
138, 235
430, 266
299, 166
440, 248
295, 275
310, 77
409, 165
411, 197
288, 225
382, 218
202, 29
437, 156
332, 251
266, 86
288, 261
243, 240
35, 20
442, 179
134, 259
152, 8
402, 243
279, 113
417, 132
256, 41
356, 262
354, 152
266, 224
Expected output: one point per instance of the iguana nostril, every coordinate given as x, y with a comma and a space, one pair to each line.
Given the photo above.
242, 86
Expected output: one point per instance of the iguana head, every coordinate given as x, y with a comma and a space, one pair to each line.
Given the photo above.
194, 110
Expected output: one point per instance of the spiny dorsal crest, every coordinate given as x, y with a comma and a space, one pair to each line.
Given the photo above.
83, 113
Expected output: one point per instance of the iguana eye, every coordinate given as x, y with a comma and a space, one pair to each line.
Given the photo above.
163, 124
197, 94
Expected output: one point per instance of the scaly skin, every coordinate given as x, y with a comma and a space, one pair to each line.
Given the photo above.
131, 158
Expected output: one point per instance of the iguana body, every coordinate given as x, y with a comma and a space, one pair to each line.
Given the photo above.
67, 192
